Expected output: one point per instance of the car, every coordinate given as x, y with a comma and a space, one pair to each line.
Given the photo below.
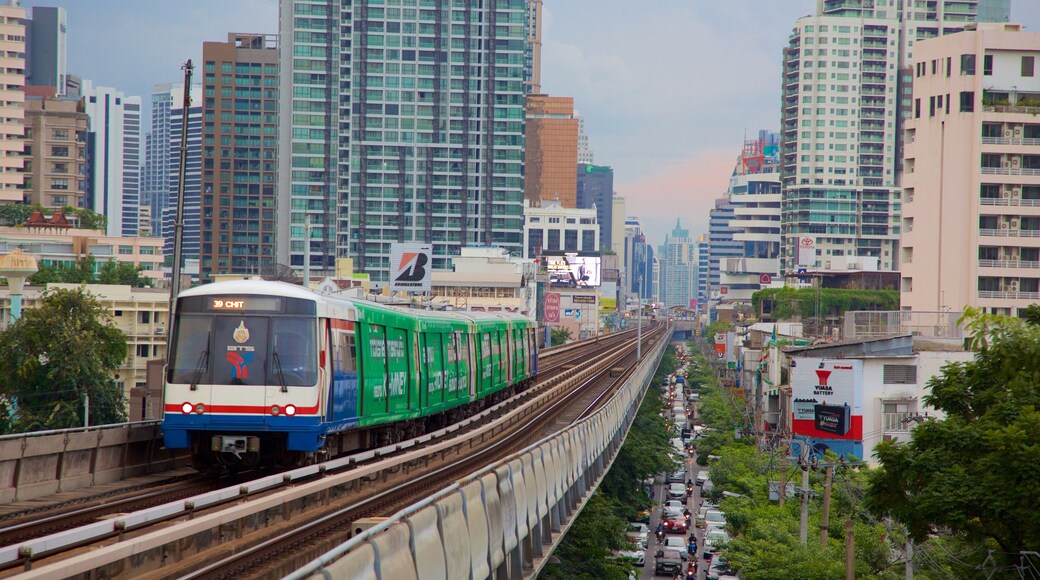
707, 487
634, 554
718, 569
714, 518
676, 543
678, 476
677, 491
675, 525
643, 517
638, 533
702, 477
712, 541
707, 505
668, 563
673, 507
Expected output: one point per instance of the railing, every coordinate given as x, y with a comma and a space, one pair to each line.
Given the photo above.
1009, 295
1009, 141
1009, 233
865, 324
895, 422
1031, 109
1010, 171
1022, 264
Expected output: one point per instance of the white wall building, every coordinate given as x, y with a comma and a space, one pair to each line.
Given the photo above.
756, 202
12, 102
115, 132
552, 228
971, 216
486, 280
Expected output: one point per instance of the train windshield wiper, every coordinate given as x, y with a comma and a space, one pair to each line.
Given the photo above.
278, 369
199, 368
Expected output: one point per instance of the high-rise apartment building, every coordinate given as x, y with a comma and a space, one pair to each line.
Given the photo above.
552, 150
678, 267
240, 152
585, 155
844, 97
722, 244
596, 189
639, 261
55, 152
114, 145
162, 151
192, 178
552, 228
533, 49
47, 49
971, 204
703, 262
12, 102
400, 124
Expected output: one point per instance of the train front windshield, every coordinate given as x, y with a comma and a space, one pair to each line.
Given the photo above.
243, 345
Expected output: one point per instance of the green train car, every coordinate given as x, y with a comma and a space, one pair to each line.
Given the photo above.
267, 372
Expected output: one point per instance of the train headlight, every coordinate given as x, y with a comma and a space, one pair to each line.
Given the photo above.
275, 410
186, 408
290, 410
200, 408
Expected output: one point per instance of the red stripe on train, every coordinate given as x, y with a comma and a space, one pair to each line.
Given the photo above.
240, 409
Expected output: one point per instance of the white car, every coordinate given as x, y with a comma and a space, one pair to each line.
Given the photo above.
714, 519
676, 543
712, 540
673, 508
638, 534
635, 555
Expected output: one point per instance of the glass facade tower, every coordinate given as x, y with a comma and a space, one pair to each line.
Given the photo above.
403, 121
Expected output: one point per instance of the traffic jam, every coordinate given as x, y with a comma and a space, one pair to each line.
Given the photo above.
680, 539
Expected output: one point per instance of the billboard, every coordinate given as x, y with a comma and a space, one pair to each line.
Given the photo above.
720, 346
607, 305
828, 398
806, 251
410, 267
573, 270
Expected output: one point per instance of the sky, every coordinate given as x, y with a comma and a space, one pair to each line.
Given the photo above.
668, 91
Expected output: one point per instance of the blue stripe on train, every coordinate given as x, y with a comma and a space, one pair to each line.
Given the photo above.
303, 433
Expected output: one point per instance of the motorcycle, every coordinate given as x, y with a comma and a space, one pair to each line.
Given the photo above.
660, 536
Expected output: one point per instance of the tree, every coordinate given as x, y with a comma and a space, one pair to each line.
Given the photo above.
975, 473
123, 273
717, 327
55, 354
14, 214
79, 272
560, 335
88, 219
586, 550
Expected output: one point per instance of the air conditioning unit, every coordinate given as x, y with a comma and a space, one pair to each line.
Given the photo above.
1007, 133
1016, 161
1003, 225
1005, 194
160, 330
1012, 286
1016, 193
1014, 224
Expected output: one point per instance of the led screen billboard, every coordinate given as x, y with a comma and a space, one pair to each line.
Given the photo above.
573, 270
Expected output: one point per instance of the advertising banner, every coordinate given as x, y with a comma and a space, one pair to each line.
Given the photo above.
828, 398
806, 251
607, 304
552, 307
582, 299
410, 267
573, 270
720, 346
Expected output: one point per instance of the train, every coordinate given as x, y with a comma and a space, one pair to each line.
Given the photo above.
265, 373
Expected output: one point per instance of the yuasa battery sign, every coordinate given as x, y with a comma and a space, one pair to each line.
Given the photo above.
410, 267
827, 398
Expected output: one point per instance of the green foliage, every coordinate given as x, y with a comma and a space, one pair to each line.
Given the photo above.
975, 473
717, 327
560, 335
56, 353
14, 214
88, 219
790, 303
82, 272
586, 550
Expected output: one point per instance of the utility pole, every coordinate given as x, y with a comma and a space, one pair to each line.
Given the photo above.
639, 323
783, 485
803, 531
825, 520
86, 409
850, 551
909, 566
178, 223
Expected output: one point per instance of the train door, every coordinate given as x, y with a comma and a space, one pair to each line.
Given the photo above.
510, 356
475, 370
343, 394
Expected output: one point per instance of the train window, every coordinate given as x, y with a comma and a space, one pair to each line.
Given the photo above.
190, 359
294, 353
343, 353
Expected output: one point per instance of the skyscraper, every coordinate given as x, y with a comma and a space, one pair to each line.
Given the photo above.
192, 177
115, 150
551, 150
409, 133
240, 152
585, 155
721, 245
533, 48
843, 103
55, 153
678, 267
12, 103
47, 49
596, 188
162, 155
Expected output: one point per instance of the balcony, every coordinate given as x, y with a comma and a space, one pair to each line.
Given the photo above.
1009, 201
1009, 295
1010, 170
1009, 233
1018, 264
1010, 141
